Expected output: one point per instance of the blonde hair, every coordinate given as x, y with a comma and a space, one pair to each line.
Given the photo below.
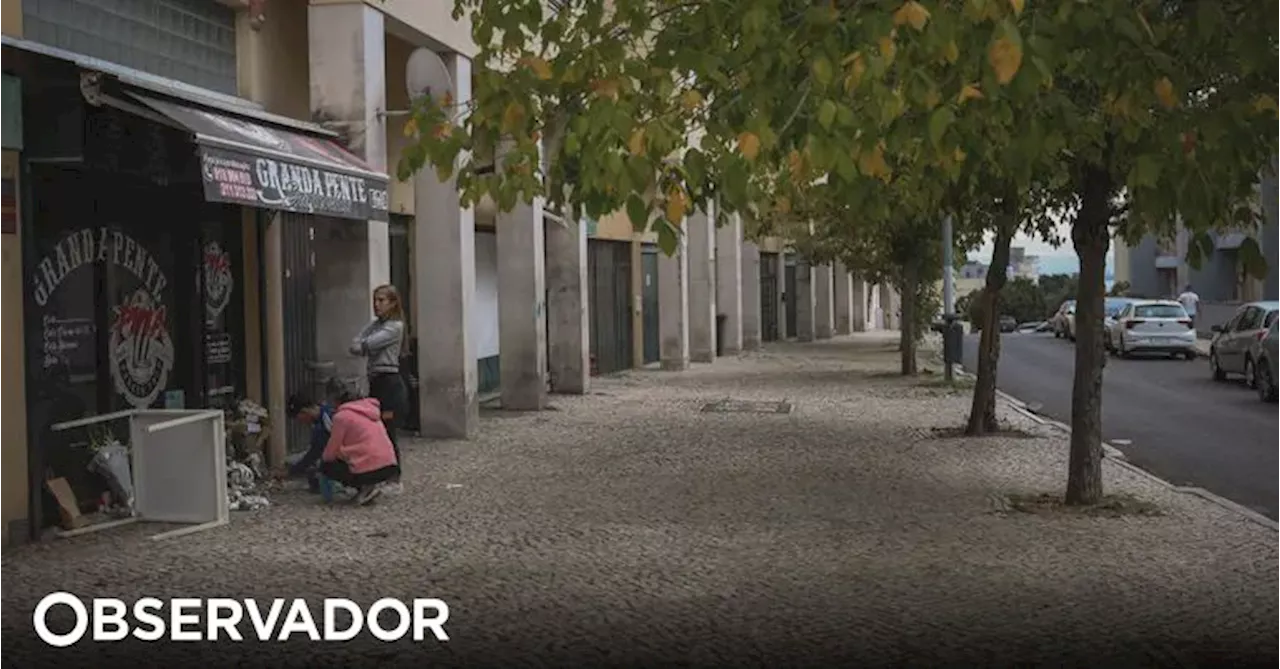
396, 311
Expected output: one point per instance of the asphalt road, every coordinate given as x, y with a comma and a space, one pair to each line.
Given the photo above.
1182, 426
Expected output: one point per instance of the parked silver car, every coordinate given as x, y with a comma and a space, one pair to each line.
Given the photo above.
1231, 351
1153, 326
1264, 358
1112, 307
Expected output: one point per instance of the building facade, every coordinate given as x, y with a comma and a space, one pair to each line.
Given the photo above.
200, 198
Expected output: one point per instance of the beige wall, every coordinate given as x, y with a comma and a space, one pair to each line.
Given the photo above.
11, 17
433, 18
401, 192
14, 414
272, 67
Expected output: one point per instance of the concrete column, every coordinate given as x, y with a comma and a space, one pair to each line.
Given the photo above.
348, 90
824, 324
806, 301
844, 300
750, 296
273, 286
637, 303
673, 306
889, 321
700, 229
780, 296
568, 316
860, 316
522, 308
729, 283
444, 262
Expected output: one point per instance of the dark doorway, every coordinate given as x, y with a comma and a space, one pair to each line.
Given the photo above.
769, 296
609, 289
649, 304
789, 296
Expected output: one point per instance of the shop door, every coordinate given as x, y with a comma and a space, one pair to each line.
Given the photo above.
789, 296
649, 304
297, 232
609, 288
222, 282
114, 318
769, 296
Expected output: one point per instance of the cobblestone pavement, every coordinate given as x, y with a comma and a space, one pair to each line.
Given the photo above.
629, 528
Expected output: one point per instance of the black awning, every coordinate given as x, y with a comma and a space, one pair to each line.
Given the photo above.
249, 163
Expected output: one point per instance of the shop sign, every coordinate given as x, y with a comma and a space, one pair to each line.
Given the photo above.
261, 181
141, 354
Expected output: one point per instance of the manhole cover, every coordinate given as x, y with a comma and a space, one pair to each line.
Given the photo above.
741, 406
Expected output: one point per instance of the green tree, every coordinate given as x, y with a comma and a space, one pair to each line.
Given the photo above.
1130, 112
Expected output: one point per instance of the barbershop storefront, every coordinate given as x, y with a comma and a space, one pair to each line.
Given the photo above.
143, 213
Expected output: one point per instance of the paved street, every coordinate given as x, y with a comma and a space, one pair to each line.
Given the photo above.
1183, 426
630, 528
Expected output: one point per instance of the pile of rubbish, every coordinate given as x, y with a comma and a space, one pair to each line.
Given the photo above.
247, 429
111, 462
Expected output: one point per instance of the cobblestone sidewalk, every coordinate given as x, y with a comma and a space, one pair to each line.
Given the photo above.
630, 528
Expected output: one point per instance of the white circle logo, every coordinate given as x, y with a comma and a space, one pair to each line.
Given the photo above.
141, 351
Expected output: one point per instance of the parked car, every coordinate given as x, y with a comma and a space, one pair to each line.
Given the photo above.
1153, 326
1264, 360
1008, 324
1061, 317
1112, 307
1231, 350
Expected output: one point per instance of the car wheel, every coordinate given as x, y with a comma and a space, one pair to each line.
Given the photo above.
1215, 368
1250, 374
1267, 391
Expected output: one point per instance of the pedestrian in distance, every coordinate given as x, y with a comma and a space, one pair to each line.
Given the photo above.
359, 453
381, 343
1190, 301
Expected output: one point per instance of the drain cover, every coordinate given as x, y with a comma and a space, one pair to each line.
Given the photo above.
742, 406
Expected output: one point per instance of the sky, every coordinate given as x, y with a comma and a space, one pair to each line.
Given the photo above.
1038, 247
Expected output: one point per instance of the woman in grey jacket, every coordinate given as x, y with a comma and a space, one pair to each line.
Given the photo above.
380, 343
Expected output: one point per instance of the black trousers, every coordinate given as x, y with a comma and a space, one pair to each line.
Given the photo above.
392, 394
339, 471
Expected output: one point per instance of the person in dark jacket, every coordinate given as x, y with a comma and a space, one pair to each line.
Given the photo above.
380, 342
318, 415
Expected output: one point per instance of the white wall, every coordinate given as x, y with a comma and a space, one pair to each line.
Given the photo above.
484, 323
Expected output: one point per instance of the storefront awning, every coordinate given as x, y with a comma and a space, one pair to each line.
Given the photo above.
249, 163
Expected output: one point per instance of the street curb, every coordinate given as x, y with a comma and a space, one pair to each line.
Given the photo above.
1110, 452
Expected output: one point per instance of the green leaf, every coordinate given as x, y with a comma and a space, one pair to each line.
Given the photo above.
822, 71
668, 237
827, 114
939, 121
638, 212
1146, 171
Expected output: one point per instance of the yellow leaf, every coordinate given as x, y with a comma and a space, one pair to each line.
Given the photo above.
442, 130
872, 164
913, 13
795, 161
541, 69
960, 155
1005, 57
969, 92
887, 48
1264, 103
636, 144
606, 88
512, 116
1018, 6
951, 52
675, 205
749, 145
857, 68
690, 100
783, 205
1164, 93
411, 127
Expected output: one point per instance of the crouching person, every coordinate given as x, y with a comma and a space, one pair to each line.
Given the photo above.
359, 453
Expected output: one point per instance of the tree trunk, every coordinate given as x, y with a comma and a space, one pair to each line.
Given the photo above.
1091, 236
982, 414
909, 291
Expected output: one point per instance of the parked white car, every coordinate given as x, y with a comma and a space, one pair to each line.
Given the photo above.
1153, 326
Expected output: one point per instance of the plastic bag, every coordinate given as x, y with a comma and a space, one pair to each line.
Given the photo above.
112, 463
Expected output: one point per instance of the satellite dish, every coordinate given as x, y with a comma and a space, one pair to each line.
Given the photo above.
426, 75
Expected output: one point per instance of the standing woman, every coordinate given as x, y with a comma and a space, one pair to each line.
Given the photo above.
380, 343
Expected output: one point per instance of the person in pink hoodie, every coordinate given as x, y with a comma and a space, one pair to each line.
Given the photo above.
359, 453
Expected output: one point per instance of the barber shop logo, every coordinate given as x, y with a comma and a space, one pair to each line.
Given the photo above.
141, 350
217, 280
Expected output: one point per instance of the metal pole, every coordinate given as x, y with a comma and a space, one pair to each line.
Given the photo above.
948, 299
